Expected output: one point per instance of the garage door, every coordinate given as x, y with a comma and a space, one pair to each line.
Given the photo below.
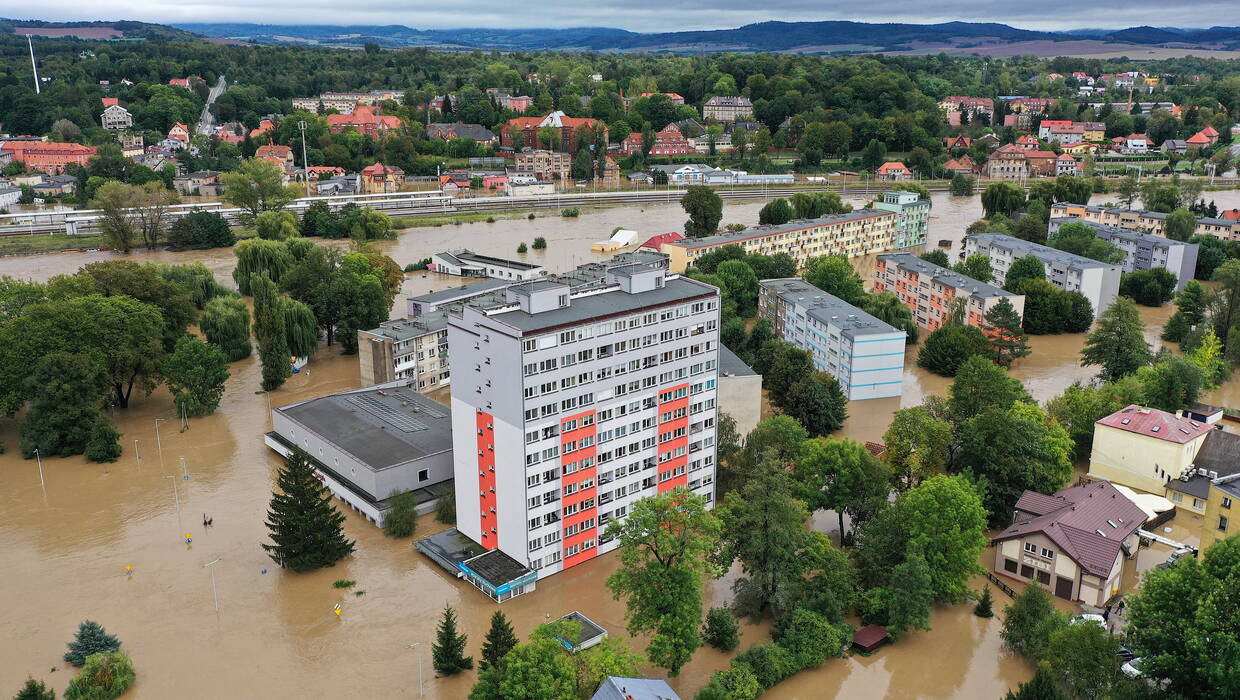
1063, 587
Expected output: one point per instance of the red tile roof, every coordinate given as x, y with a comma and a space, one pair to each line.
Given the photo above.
109, 101
1198, 138
1154, 423
657, 242
1209, 131
1088, 523
281, 152
892, 166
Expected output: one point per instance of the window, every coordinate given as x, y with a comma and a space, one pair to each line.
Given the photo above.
1177, 497
1009, 565
1044, 578
1026, 571
1222, 523
1227, 503
424, 474
1031, 548
1048, 553
1198, 503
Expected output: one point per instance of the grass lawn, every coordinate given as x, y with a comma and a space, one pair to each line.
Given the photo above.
45, 243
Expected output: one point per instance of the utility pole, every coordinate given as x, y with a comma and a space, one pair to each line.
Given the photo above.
34, 66
421, 690
177, 495
159, 443
214, 593
305, 164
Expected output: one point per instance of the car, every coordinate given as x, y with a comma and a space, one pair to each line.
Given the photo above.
1088, 617
1125, 653
1132, 668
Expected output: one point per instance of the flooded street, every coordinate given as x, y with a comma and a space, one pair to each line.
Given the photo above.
66, 546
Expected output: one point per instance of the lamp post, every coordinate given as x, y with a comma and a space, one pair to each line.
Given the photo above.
137, 456
176, 494
305, 164
214, 593
159, 443
421, 690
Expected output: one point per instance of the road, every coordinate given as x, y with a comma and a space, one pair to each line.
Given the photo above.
206, 122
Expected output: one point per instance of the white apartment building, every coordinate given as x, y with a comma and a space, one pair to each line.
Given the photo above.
413, 349
574, 402
1097, 281
928, 290
1143, 251
864, 354
116, 118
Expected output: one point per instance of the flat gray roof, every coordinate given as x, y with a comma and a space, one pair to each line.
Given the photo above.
827, 308
1121, 232
791, 226
412, 327
1042, 252
471, 256
382, 426
946, 276
617, 301
473, 288
730, 364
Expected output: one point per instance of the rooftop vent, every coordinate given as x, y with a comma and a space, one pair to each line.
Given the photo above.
1100, 532
1156, 429
1112, 523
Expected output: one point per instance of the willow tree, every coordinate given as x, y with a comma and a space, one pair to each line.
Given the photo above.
226, 323
300, 327
256, 256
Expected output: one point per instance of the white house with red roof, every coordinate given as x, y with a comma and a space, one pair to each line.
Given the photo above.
1066, 165
1075, 543
179, 132
1142, 448
893, 171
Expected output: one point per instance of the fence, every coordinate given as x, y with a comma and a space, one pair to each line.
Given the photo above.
1001, 585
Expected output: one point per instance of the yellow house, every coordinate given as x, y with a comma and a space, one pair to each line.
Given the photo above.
1210, 486
1075, 543
1144, 448
1220, 521
1079, 148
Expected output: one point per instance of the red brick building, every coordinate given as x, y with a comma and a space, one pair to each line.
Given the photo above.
569, 128
48, 156
365, 119
668, 142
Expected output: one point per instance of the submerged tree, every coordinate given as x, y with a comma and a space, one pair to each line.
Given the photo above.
307, 532
91, 638
448, 650
499, 641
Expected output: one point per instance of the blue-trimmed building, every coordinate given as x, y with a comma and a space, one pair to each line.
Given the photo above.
864, 354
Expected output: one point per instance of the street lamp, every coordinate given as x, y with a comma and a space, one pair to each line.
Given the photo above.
421, 690
137, 456
214, 593
305, 164
176, 494
159, 443
42, 481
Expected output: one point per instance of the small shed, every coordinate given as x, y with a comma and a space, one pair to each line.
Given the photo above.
870, 637
590, 633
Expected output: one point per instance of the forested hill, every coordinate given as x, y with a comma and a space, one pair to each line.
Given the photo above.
397, 36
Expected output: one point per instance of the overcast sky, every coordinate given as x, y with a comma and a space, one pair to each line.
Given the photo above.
643, 15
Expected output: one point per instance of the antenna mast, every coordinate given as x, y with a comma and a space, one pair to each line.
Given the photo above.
34, 66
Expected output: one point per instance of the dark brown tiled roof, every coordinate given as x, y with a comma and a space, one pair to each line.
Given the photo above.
1088, 523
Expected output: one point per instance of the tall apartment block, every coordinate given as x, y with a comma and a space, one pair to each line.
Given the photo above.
929, 290
1143, 251
573, 402
1097, 281
912, 217
1144, 221
864, 354
859, 232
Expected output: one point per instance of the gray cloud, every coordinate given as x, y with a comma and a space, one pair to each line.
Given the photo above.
647, 15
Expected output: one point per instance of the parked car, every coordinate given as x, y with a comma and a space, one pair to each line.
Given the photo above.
1132, 668
1087, 618
1125, 653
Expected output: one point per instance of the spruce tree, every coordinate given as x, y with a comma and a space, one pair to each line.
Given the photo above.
306, 528
1008, 341
91, 638
1117, 344
499, 641
35, 690
448, 650
983, 607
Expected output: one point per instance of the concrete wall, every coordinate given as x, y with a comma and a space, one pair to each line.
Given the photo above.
741, 398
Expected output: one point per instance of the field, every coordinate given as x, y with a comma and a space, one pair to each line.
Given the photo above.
79, 32
1085, 47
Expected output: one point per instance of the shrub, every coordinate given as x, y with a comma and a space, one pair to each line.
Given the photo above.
344, 583
104, 444
540, 243
490, 219
521, 248
402, 517
770, 663
570, 212
721, 629
531, 216
983, 607
106, 675
200, 229
445, 509
91, 638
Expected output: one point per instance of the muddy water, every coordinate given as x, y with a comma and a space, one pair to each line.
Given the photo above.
67, 545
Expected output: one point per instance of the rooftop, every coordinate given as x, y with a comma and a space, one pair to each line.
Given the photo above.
617, 688
771, 230
609, 303
946, 276
1218, 458
1157, 424
1022, 247
732, 366
1088, 523
827, 308
590, 631
469, 256
1121, 233
383, 426
471, 289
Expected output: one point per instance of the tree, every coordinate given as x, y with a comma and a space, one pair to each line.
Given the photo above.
917, 445
1008, 341
272, 225
401, 518
721, 630
736, 682
226, 324
300, 327
1182, 622
104, 444
776, 212
1190, 310
257, 186
1117, 344
256, 256
874, 154
910, 597
35, 690
105, 676
818, 403
1208, 357
984, 604
835, 275
306, 529
664, 543
583, 165
763, 529
843, 476
539, 668
195, 373
124, 278
1002, 198
976, 267
812, 205
783, 365
1041, 687
739, 284
962, 185
271, 333
540, 243
1180, 225
200, 229
705, 210
65, 390
1013, 450
370, 225
499, 641
91, 638
1078, 408
1083, 658
948, 346
887, 307
1027, 267
1029, 622
1170, 384
936, 257
1127, 190
1079, 239
942, 520
979, 385
1149, 287
117, 222
811, 638
448, 650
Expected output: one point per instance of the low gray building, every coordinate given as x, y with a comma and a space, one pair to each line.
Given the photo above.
467, 263
368, 443
1143, 251
740, 391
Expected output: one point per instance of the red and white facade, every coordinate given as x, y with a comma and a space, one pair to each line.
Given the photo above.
583, 400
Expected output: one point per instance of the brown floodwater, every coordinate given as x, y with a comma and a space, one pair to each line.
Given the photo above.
67, 545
